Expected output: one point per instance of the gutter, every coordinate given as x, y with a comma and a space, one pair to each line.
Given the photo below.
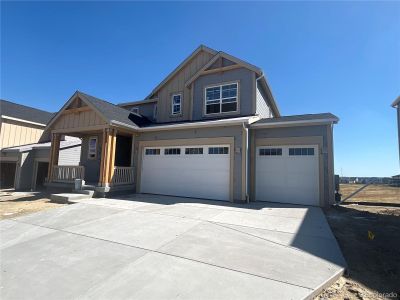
22, 120
237, 121
299, 122
117, 123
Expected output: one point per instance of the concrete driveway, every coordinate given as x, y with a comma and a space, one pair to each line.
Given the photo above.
157, 247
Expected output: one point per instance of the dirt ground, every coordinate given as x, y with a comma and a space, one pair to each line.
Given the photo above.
377, 193
369, 237
14, 204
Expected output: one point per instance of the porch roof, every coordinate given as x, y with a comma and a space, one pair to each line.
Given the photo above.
113, 113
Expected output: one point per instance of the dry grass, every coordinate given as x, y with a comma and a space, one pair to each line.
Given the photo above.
377, 193
14, 204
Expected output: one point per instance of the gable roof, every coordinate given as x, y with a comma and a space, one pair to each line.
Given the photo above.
221, 54
26, 113
180, 66
396, 102
110, 113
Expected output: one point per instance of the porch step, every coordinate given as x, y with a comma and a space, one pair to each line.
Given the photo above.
85, 192
68, 197
89, 187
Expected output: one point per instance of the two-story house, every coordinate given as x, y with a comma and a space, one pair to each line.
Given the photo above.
211, 129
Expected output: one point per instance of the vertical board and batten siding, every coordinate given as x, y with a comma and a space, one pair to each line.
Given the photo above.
77, 120
15, 133
177, 85
262, 108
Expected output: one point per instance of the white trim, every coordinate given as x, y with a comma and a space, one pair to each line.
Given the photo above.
174, 104
118, 123
223, 122
396, 102
139, 102
299, 122
220, 85
22, 120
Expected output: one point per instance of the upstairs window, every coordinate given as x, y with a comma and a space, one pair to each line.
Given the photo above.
135, 110
176, 104
221, 99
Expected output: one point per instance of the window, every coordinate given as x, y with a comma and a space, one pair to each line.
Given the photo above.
221, 99
92, 148
135, 110
176, 104
301, 151
172, 151
194, 151
218, 150
271, 152
152, 151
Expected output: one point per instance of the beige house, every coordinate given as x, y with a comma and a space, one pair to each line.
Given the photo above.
25, 146
211, 129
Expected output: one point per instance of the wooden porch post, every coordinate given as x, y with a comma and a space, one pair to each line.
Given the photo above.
107, 157
54, 154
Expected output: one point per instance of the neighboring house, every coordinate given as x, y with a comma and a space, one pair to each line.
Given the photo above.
20, 124
25, 147
396, 104
211, 129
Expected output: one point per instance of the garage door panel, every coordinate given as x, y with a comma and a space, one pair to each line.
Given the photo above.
188, 175
291, 177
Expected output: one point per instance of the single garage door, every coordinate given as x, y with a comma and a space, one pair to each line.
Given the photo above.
188, 171
288, 174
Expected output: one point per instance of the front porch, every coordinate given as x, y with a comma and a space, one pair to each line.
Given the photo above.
107, 170
107, 152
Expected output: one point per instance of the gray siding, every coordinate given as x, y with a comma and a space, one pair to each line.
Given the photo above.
262, 108
92, 166
70, 156
302, 131
245, 78
235, 132
146, 109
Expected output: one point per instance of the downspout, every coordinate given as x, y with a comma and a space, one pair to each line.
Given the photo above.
245, 145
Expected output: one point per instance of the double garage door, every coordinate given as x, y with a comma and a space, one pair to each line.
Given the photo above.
288, 174
285, 174
201, 171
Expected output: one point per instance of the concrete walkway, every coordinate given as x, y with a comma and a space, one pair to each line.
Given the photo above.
157, 247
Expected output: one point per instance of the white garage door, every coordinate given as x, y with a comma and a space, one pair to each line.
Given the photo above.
187, 171
288, 174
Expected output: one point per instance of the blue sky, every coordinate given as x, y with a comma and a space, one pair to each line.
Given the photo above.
339, 57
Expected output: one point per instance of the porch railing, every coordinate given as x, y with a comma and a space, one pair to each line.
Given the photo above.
123, 175
68, 173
